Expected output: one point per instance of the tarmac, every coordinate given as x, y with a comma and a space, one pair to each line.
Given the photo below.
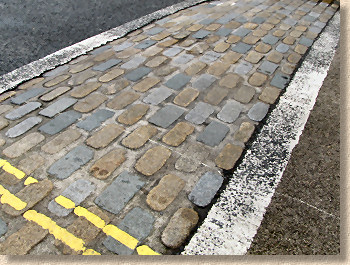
130, 148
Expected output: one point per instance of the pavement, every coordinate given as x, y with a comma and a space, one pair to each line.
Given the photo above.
125, 149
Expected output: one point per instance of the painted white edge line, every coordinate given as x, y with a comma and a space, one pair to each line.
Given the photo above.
34, 69
233, 220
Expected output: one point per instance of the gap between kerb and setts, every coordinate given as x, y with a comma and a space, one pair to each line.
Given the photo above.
234, 219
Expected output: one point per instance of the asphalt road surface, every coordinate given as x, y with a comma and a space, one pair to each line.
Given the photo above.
32, 29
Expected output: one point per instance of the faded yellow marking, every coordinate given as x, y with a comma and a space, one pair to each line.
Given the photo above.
30, 180
92, 218
12, 170
145, 250
2, 162
120, 236
91, 252
12, 200
58, 232
65, 202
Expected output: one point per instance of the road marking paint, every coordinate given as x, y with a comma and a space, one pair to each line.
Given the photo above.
92, 218
65, 202
11, 169
91, 252
120, 236
30, 180
10, 199
145, 250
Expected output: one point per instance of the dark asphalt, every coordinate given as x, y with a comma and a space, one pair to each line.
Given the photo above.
32, 29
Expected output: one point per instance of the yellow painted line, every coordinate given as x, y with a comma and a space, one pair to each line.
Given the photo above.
12, 170
121, 236
145, 250
12, 200
91, 252
65, 202
92, 218
30, 180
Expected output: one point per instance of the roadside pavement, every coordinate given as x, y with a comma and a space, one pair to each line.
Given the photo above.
124, 150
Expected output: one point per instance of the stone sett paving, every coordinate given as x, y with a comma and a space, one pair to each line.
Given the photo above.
117, 151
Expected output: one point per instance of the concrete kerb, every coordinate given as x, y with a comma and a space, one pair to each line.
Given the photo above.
34, 69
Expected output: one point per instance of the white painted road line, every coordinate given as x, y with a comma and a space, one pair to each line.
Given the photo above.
234, 219
11, 80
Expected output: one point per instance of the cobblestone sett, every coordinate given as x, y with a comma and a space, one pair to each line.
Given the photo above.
243, 68
241, 47
215, 95
2, 142
201, 34
31, 194
77, 192
218, 68
230, 112
158, 95
127, 53
23, 127
90, 103
112, 74
168, 43
23, 145
244, 94
230, 80
186, 96
61, 141
171, 52
57, 107
153, 160
95, 120
161, 36
195, 68
138, 73
275, 57
279, 80
204, 81
210, 57
80, 78
223, 32
146, 84
178, 134
166, 116
233, 39
139, 136
122, 100
105, 166
258, 111
145, 44
156, 61
294, 58
257, 79
301, 49
106, 65
200, 48
206, 188
228, 156
282, 48
3, 123
226, 18
27, 95
133, 63
20, 242
123, 46
80, 67
177, 82
5, 108
30, 163
200, 113
254, 57
138, 223
7, 95
133, 114
244, 132
231, 57
162, 195
105, 136
119, 192
55, 93
263, 48
3, 228
83, 229
179, 227
31, 83
84, 90
57, 80
195, 27
60, 122
213, 134
183, 59
270, 94
23, 110
267, 67
104, 56
71, 162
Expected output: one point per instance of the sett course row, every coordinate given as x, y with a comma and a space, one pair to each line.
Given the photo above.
139, 130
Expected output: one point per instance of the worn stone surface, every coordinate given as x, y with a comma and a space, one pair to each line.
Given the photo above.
57, 80
122, 100
71, 162
60, 122
23, 127
204, 81
146, 84
178, 134
105, 136
111, 75
80, 67
178, 81
95, 119
218, 68
179, 227
57, 107
27, 95
230, 111
105, 166
156, 61
186, 96
205, 189
166, 116
139, 137
5, 108
81, 78
263, 48
279, 80
22, 111
244, 94
258, 111
215, 95
106, 65
84, 90
77, 192
200, 113
138, 73
23, 145
153, 160
30, 163
213, 134
244, 132
228, 156
158, 95
269, 95
254, 57
288, 68
133, 114
162, 195
231, 57
230, 80
119, 192
257, 79
31, 194
55, 93
90, 102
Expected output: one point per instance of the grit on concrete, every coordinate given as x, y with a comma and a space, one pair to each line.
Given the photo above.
139, 134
